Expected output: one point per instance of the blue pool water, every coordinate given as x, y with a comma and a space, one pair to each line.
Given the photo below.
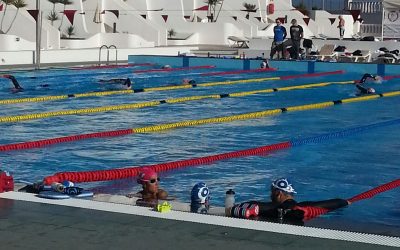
337, 168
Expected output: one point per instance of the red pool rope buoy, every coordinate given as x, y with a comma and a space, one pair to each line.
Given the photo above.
312, 212
371, 193
231, 72
113, 174
113, 66
174, 69
46, 142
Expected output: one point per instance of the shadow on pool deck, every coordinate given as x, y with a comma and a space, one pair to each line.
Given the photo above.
28, 225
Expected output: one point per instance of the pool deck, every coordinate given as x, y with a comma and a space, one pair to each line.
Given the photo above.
29, 222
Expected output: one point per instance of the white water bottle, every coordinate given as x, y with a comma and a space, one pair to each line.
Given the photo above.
229, 200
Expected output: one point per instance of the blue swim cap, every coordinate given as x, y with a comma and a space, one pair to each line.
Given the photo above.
284, 185
200, 193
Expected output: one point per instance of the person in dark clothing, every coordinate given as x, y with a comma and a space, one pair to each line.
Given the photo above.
283, 208
362, 90
17, 86
296, 34
125, 82
279, 37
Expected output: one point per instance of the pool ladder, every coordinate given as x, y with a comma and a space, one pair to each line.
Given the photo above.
108, 53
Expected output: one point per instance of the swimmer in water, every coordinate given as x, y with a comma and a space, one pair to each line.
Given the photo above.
366, 77
126, 83
17, 86
264, 64
187, 81
362, 90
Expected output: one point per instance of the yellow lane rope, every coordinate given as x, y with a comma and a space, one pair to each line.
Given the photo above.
155, 128
119, 92
33, 116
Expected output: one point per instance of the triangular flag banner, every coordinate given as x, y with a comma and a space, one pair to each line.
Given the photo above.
115, 12
204, 8
355, 14
165, 17
235, 17
186, 17
332, 19
258, 18
1, 7
144, 16
70, 15
103, 12
33, 13
281, 19
306, 20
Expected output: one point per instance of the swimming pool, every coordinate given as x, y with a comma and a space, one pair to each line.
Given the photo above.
337, 168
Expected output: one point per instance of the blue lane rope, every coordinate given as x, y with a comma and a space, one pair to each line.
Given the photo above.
342, 133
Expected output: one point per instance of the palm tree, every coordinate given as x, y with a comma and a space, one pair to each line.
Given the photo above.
249, 8
212, 7
65, 3
18, 4
6, 2
70, 31
53, 16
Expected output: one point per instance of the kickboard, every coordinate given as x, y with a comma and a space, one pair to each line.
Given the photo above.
58, 195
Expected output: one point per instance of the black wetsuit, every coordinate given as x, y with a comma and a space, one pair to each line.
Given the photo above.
293, 212
362, 89
365, 77
14, 81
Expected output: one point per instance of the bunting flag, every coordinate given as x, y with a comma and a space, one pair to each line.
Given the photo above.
355, 14
258, 18
1, 7
144, 16
282, 19
165, 17
186, 17
115, 12
304, 12
70, 15
204, 8
235, 17
306, 20
332, 19
34, 14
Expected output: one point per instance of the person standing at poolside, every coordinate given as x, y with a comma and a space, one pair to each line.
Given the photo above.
279, 36
341, 27
296, 34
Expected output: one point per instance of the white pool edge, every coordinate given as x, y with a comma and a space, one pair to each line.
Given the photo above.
212, 220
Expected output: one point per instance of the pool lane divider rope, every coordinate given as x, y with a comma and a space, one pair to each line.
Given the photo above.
234, 72
112, 66
128, 172
32, 116
188, 123
173, 69
163, 88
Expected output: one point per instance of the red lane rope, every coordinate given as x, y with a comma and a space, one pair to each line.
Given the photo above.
312, 212
237, 72
45, 142
174, 69
371, 193
312, 74
113, 66
113, 174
